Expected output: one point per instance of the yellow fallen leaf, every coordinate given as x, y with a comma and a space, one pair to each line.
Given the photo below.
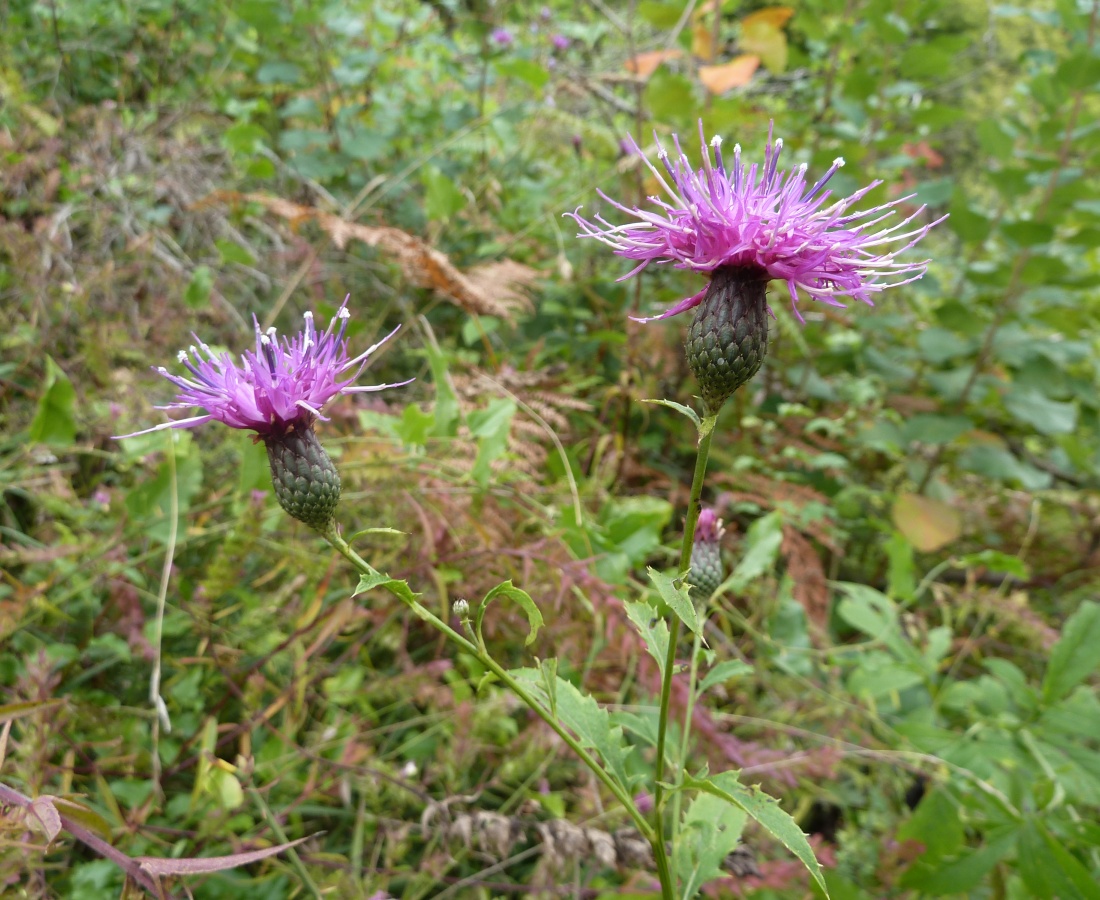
645, 64
776, 16
766, 41
702, 41
737, 72
926, 523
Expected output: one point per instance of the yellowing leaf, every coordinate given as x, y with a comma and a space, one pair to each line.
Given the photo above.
761, 33
775, 16
645, 64
702, 41
926, 523
738, 72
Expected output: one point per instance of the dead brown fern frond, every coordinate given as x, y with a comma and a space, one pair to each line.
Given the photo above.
494, 289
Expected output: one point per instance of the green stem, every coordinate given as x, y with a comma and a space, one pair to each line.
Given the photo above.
422, 612
706, 433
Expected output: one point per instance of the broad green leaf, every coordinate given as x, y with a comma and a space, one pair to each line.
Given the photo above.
446, 402
996, 561
766, 811
935, 430
675, 594
199, 287
999, 464
1036, 409
761, 551
1049, 870
723, 672
652, 628
232, 252
491, 427
961, 873
1076, 655
54, 422
523, 69
442, 198
935, 823
507, 589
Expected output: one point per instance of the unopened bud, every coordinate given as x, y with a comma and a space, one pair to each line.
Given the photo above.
305, 478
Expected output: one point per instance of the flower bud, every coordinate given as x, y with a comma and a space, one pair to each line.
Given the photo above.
305, 478
728, 339
706, 554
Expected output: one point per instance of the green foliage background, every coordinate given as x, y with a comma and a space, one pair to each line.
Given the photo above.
910, 490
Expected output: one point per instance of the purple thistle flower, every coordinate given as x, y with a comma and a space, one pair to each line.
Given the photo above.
560, 42
502, 37
280, 387
766, 223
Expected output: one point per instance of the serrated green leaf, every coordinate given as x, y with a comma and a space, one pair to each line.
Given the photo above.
374, 579
652, 628
676, 597
766, 811
507, 589
1076, 655
710, 830
582, 715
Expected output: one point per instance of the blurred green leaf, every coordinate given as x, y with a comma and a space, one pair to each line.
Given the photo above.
1076, 655
54, 421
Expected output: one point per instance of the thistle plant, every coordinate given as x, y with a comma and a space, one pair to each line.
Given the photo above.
742, 226
279, 391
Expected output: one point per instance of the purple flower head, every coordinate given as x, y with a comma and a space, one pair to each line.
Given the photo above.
763, 220
709, 528
560, 42
280, 387
502, 37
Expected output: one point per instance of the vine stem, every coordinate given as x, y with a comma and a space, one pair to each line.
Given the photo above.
706, 433
426, 615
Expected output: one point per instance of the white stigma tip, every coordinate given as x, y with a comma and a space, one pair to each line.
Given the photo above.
838, 162
162, 370
736, 148
778, 144
307, 314
182, 356
802, 169
271, 332
344, 313
716, 141
265, 340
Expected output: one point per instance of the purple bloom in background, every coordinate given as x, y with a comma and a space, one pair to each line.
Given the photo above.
280, 387
765, 223
560, 42
502, 37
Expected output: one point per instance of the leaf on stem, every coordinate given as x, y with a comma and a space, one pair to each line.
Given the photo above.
675, 594
766, 811
507, 589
